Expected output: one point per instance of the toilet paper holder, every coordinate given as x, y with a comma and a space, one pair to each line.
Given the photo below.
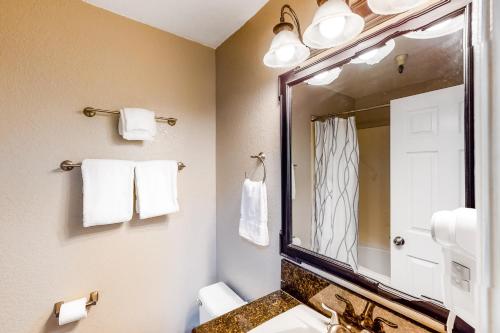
93, 298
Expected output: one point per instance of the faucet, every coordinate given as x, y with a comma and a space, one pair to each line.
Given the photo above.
365, 320
379, 328
366, 317
334, 326
349, 313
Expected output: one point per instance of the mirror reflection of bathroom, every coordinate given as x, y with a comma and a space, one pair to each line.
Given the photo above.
377, 148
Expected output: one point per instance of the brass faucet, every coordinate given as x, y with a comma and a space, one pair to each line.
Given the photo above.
349, 313
334, 326
365, 320
379, 328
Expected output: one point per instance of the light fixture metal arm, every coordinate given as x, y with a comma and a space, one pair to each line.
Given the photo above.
288, 10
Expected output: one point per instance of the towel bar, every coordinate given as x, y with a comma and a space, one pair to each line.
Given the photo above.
69, 165
91, 112
93, 298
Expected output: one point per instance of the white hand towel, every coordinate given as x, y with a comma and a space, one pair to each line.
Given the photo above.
137, 124
108, 191
156, 188
253, 220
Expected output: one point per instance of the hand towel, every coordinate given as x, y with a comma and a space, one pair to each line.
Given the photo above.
156, 188
253, 220
108, 191
137, 124
296, 241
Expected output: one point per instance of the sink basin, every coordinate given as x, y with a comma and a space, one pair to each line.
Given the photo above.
300, 319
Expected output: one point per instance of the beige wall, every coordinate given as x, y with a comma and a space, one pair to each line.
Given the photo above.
374, 187
57, 56
248, 122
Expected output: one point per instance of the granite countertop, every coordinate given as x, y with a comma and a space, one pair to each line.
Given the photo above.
249, 316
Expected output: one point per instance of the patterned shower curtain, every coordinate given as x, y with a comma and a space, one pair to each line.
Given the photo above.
336, 190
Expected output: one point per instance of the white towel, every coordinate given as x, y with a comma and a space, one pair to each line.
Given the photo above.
108, 191
137, 124
156, 188
296, 241
253, 220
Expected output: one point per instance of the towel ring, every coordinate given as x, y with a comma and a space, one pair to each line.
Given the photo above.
261, 157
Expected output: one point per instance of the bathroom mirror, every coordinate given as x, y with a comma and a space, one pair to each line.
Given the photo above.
376, 138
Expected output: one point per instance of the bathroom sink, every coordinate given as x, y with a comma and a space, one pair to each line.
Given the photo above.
300, 319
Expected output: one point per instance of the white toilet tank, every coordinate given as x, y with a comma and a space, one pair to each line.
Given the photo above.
217, 299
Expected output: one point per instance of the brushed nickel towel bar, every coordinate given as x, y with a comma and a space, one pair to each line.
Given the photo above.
91, 112
69, 165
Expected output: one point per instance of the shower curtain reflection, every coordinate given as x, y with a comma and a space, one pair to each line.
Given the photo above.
336, 190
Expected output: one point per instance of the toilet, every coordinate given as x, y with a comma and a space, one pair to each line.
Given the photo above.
216, 300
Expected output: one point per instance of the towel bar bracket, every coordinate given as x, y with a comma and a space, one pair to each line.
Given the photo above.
67, 165
89, 112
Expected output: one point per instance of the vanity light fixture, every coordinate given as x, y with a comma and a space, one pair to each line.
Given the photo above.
440, 29
375, 56
390, 7
333, 24
325, 78
287, 48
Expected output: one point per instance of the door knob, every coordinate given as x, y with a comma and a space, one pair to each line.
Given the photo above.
399, 241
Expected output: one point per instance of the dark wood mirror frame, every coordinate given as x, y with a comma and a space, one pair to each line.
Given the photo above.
437, 12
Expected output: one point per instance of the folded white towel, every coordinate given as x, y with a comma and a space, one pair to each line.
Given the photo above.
137, 124
156, 188
108, 191
253, 220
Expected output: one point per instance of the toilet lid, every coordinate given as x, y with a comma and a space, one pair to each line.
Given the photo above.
218, 299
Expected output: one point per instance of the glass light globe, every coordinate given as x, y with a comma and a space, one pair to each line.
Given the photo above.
390, 7
375, 56
368, 55
285, 53
333, 24
321, 76
333, 27
441, 26
325, 78
440, 29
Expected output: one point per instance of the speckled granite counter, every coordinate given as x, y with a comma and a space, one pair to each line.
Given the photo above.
251, 315
300, 286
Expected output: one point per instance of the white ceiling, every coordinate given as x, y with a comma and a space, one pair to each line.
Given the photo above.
208, 22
